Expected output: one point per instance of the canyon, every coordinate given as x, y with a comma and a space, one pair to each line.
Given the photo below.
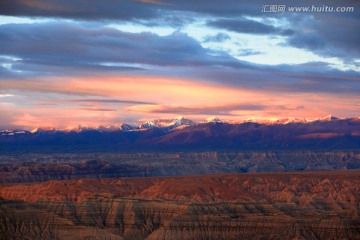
306, 205
186, 180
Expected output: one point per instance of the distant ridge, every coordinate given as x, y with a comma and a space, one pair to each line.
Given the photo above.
184, 134
176, 122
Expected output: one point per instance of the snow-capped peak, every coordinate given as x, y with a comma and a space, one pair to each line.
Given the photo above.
180, 121
327, 118
213, 119
147, 125
288, 120
109, 128
78, 128
42, 129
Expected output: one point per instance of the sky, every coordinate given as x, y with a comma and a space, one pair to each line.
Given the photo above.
66, 63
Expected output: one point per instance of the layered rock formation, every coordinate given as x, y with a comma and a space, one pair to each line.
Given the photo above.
323, 205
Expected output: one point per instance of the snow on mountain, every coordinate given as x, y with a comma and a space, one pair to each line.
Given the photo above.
77, 129
355, 119
43, 129
327, 118
167, 123
213, 119
273, 121
285, 121
147, 125
181, 121
110, 128
174, 124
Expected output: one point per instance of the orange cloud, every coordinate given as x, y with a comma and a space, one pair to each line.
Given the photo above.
162, 97
162, 90
57, 117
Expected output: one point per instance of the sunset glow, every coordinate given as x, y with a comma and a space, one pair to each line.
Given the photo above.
60, 69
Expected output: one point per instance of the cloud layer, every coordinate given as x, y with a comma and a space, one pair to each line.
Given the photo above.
102, 62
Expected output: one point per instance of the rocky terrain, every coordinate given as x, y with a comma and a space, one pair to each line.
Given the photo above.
182, 181
43, 167
308, 205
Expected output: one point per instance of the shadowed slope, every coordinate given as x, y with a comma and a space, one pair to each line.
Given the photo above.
329, 134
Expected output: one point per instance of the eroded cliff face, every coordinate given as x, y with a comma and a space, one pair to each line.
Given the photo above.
323, 205
43, 167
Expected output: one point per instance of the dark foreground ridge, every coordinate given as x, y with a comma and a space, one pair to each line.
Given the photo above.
331, 133
42, 167
312, 205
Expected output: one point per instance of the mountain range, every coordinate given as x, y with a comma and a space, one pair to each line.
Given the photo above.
184, 134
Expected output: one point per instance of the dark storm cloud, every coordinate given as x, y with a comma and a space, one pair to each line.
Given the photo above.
50, 48
242, 25
171, 18
329, 35
146, 10
125, 10
79, 9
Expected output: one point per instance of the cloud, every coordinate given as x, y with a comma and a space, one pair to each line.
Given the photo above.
126, 10
6, 95
110, 101
225, 110
49, 86
56, 117
64, 48
131, 10
46, 104
79, 9
98, 109
330, 35
219, 38
243, 25
312, 77
248, 52
42, 51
